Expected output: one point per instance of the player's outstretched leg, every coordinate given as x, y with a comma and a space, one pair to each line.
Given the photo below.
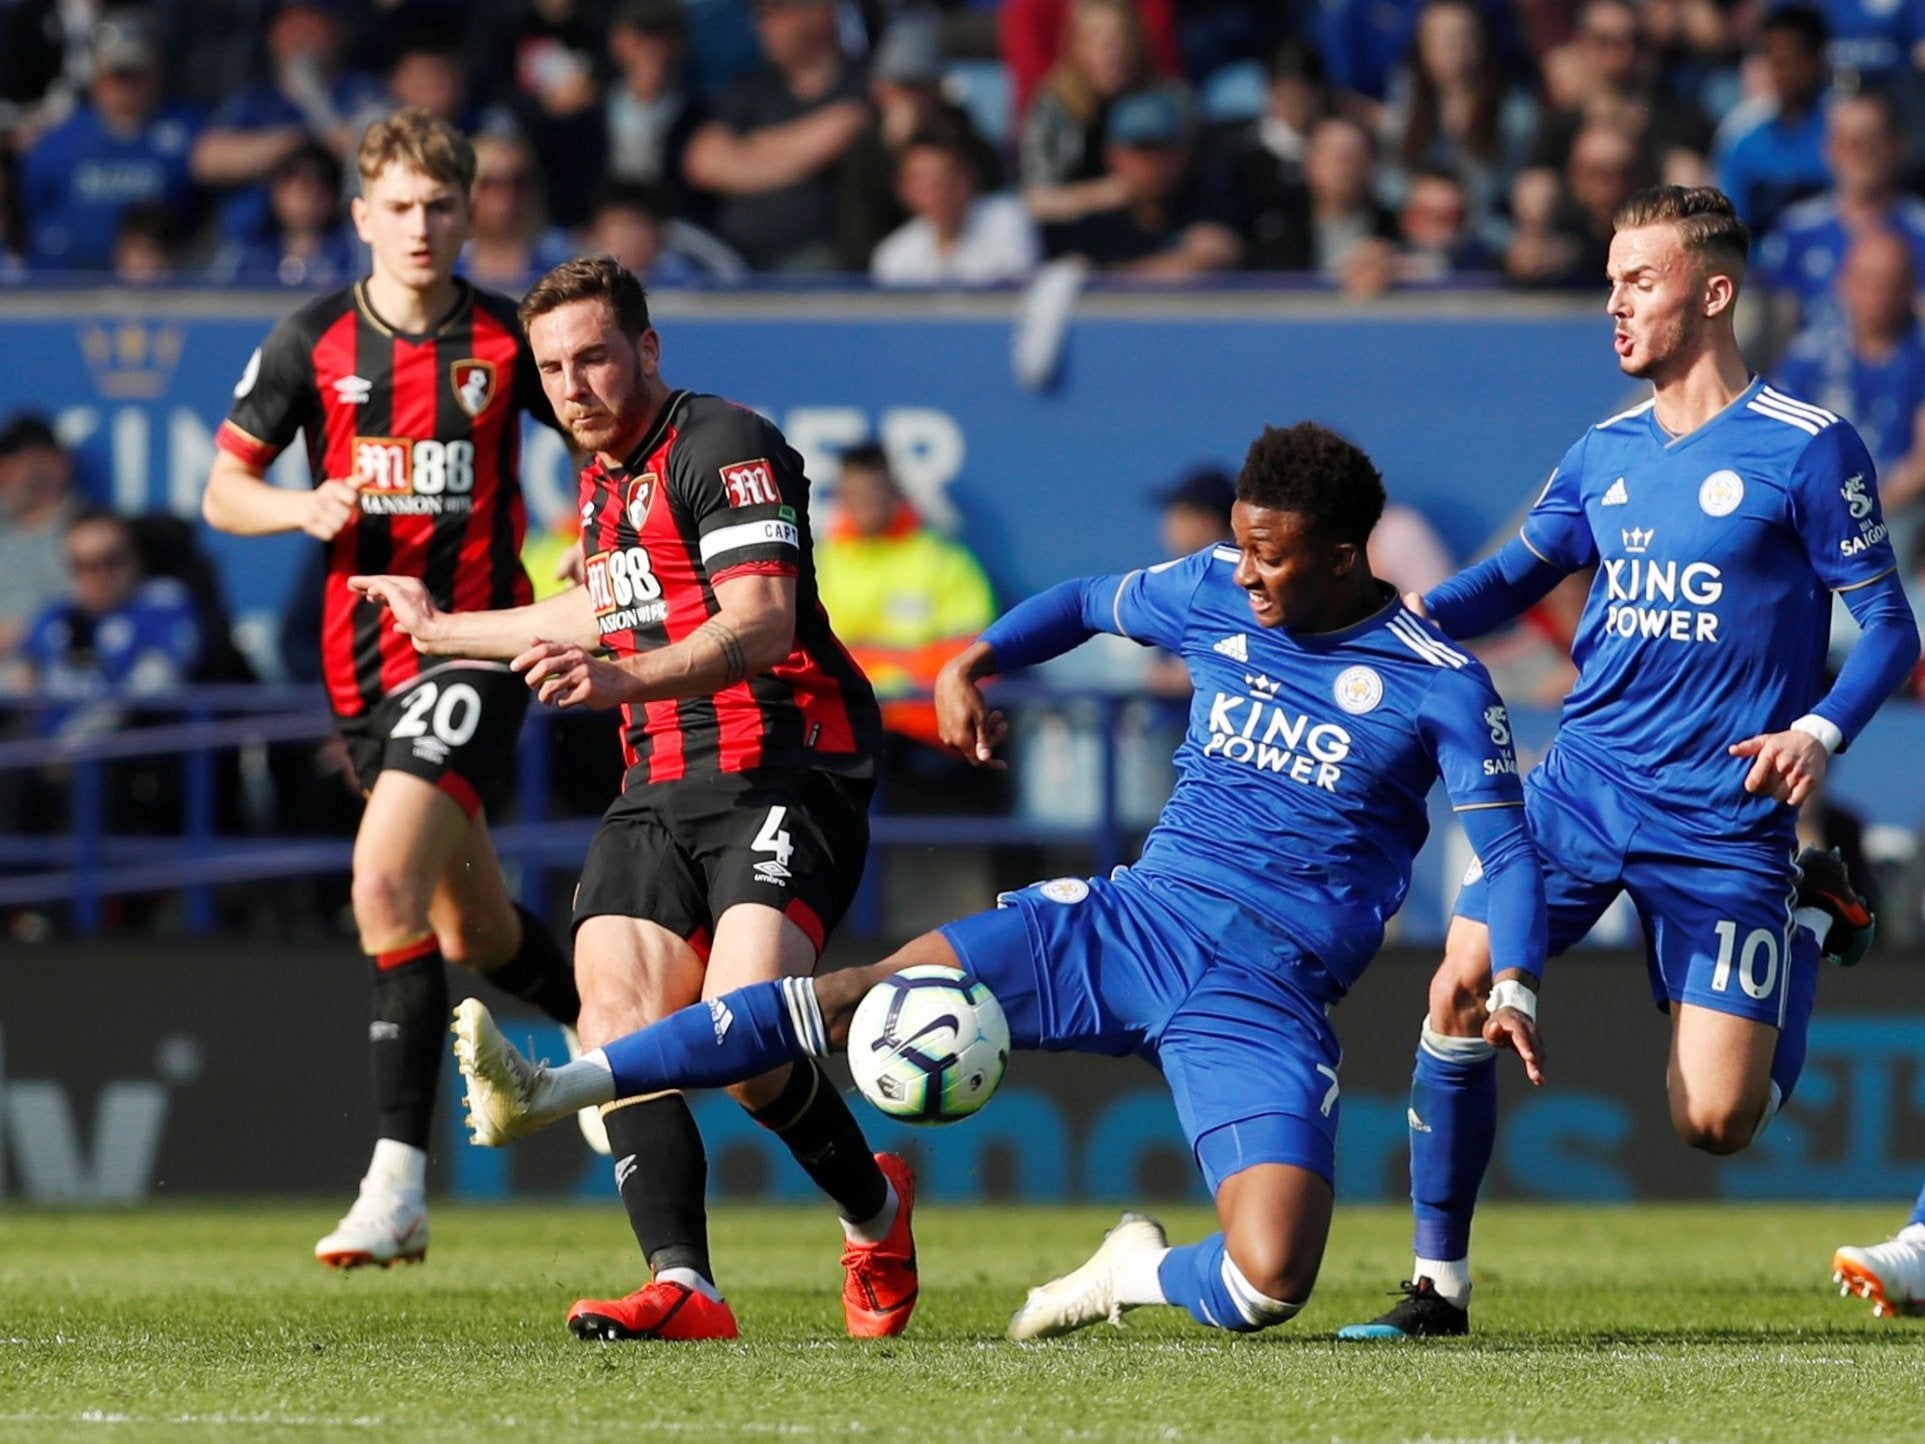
1890, 1274
1259, 1271
1453, 1129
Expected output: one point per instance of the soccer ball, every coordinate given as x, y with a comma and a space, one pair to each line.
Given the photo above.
928, 1045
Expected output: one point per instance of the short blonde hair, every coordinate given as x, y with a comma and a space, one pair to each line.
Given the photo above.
420, 142
1706, 221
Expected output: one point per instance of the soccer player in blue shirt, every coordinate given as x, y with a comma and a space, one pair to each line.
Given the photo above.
1323, 712
1721, 514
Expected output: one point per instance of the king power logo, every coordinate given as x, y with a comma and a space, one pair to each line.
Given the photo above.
42, 1139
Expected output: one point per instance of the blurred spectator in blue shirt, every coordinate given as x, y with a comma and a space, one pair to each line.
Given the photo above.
510, 243
1172, 221
309, 245
113, 632
1771, 156
310, 100
1451, 107
771, 154
128, 146
649, 115
1876, 38
1060, 158
1871, 370
1797, 261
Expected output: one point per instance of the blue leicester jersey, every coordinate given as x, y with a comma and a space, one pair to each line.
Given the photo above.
1716, 554
1303, 776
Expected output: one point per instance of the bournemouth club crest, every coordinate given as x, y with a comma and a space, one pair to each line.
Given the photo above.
641, 492
474, 383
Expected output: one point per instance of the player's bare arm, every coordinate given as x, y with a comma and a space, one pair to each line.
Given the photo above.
493, 635
241, 500
753, 631
1788, 766
964, 717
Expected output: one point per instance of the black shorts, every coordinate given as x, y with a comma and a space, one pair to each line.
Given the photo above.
454, 726
682, 853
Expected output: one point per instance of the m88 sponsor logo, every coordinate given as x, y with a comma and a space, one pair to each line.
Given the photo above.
625, 590
399, 476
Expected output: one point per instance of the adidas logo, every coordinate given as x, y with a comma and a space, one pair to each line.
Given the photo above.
353, 390
1616, 495
1637, 539
1236, 648
722, 1017
1417, 1125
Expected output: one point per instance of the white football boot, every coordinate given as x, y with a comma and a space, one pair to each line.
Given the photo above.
1890, 1274
589, 1120
508, 1096
384, 1227
1087, 1295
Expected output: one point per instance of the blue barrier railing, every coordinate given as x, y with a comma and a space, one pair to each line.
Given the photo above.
90, 862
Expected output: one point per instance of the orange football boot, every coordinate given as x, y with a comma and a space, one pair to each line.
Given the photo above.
657, 1310
880, 1291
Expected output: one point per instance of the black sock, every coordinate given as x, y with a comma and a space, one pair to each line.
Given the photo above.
810, 1116
406, 1039
539, 972
661, 1173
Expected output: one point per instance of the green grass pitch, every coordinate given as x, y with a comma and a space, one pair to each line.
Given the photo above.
183, 1322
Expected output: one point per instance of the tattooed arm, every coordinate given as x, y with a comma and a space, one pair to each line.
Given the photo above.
752, 632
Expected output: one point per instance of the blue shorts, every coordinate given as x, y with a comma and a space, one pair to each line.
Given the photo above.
1229, 1010
1716, 912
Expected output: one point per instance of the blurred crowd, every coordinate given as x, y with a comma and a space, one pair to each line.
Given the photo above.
1362, 144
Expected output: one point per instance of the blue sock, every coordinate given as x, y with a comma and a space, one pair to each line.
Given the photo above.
1453, 1127
1192, 1276
1788, 1059
708, 1045
1918, 1210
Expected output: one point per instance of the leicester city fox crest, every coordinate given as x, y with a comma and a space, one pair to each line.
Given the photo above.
474, 384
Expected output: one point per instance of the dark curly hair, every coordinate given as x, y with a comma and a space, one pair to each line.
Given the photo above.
1310, 470
589, 278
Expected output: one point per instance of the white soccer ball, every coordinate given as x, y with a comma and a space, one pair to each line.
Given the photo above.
928, 1045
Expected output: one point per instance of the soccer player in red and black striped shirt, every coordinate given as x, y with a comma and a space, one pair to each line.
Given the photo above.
409, 387
742, 827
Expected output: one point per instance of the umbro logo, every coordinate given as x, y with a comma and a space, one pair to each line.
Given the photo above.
353, 390
1637, 540
722, 1017
1616, 495
1236, 648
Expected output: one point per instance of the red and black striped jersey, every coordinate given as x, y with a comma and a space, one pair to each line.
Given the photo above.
713, 492
430, 427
